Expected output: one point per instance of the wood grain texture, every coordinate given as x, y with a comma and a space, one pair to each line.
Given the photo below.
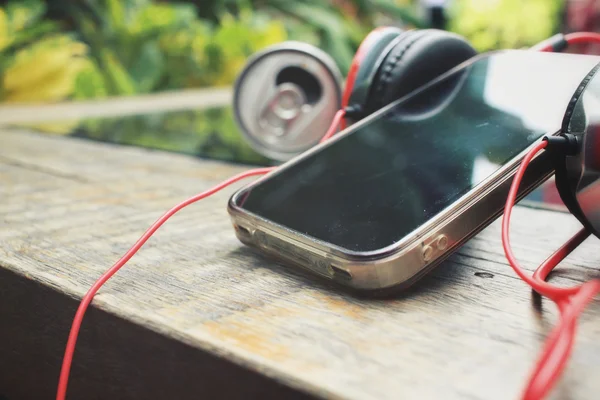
117, 359
190, 99
469, 330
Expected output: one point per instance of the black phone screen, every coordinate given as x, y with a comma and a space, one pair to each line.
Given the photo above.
393, 172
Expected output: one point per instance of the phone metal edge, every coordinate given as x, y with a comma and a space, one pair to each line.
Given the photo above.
406, 260
465, 199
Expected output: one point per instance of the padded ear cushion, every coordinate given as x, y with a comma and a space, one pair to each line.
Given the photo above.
366, 63
417, 58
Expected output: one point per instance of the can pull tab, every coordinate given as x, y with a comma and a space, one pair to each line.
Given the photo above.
285, 98
283, 108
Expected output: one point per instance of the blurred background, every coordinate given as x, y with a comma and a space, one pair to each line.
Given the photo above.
92, 50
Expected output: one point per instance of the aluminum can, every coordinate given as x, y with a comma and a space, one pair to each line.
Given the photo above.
285, 98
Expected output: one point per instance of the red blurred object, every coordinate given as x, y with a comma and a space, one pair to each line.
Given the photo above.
583, 15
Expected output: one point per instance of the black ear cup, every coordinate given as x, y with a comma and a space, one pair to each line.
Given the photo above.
415, 58
365, 64
578, 175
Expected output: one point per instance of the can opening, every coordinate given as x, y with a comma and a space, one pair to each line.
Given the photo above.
302, 78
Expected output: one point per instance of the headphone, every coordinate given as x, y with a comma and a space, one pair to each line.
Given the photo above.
391, 63
299, 108
577, 159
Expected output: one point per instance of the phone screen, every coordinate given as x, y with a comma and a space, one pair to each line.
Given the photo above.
394, 171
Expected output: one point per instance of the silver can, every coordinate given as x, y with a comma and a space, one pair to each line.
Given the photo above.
285, 99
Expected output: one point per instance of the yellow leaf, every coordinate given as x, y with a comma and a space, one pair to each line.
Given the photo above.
37, 62
54, 87
274, 33
19, 18
230, 71
4, 36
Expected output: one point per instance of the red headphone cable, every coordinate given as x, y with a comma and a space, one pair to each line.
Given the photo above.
87, 299
570, 301
335, 123
561, 41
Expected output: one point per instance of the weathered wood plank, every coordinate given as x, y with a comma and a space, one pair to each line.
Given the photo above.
191, 99
118, 359
70, 208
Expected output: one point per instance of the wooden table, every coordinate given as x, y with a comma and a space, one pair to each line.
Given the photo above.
197, 315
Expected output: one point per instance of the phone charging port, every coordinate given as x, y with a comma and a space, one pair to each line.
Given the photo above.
244, 231
341, 274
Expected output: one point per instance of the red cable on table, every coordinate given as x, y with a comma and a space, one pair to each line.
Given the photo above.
570, 301
87, 299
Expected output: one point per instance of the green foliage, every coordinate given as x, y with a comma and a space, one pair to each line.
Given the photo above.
21, 22
213, 56
143, 47
37, 63
338, 27
90, 83
491, 25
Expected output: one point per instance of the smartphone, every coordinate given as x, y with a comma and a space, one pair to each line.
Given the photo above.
390, 197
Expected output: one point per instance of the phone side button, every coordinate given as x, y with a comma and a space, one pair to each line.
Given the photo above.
427, 252
437, 245
441, 242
